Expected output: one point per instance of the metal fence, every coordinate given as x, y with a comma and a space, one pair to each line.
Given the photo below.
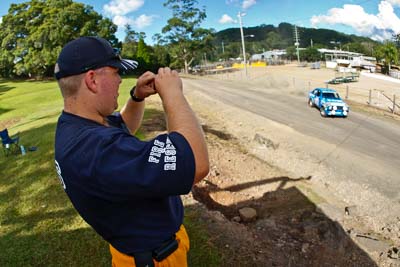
374, 97
394, 74
353, 91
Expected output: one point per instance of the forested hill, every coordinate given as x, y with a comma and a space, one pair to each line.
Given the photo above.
283, 36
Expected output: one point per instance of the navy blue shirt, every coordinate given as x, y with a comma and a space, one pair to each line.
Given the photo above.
126, 189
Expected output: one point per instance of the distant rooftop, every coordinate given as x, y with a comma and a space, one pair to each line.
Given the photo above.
341, 52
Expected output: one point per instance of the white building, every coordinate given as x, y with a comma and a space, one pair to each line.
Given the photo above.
333, 58
268, 55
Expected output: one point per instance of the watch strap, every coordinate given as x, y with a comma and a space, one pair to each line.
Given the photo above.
133, 97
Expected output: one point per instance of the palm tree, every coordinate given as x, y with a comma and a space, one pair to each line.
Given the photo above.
388, 51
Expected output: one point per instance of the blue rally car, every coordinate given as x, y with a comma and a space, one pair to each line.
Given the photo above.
328, 102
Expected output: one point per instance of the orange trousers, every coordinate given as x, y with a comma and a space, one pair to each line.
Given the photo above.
177, 258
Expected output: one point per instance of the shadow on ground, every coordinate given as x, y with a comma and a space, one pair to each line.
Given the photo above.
4, 88
288, 231
153, 122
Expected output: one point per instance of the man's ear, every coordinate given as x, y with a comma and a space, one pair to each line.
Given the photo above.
90, 81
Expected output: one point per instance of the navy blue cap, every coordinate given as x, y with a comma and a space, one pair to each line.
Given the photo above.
89, 53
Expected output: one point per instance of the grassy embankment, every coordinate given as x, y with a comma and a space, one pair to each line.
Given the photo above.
38, 225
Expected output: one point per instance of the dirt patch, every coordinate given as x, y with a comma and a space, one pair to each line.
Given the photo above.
9, 123
289, 229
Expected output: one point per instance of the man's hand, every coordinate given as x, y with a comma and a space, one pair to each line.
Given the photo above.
145, 85
168, 83
181, 118
132, 112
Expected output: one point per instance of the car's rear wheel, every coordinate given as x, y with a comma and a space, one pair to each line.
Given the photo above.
310, 103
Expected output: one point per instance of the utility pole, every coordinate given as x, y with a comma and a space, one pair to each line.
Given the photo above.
297, 43
240, 15
223, 48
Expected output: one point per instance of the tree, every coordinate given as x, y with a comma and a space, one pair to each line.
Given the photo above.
143, 55
273, 40
33, 33
291, 52
162, 57
389, 53
183, 33
396, 38
356, 47
231, 50
129, 46
311, 54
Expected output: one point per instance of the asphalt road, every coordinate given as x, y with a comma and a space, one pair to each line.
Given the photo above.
372, 145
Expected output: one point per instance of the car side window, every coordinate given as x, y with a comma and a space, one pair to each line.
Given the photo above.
317, 92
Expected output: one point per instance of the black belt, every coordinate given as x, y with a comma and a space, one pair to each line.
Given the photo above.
145, 259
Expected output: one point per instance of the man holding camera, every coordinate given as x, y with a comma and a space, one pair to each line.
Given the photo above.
128, 190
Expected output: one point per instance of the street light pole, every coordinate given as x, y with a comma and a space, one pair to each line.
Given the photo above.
240, 15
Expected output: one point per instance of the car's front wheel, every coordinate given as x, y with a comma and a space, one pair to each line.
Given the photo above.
310, 103
322, 112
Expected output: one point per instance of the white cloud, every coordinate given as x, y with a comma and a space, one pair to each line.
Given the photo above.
379, 27
143, 21
118, 10
225, 19
1, 19
122, 7
248, 3
121, 21
394, 2
140, 22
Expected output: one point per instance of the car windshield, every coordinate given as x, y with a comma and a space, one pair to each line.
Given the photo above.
330, 95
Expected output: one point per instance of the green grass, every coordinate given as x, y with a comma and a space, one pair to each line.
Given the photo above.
38, 225
203, 253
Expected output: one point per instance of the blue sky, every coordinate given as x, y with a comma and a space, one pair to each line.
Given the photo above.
373, 18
